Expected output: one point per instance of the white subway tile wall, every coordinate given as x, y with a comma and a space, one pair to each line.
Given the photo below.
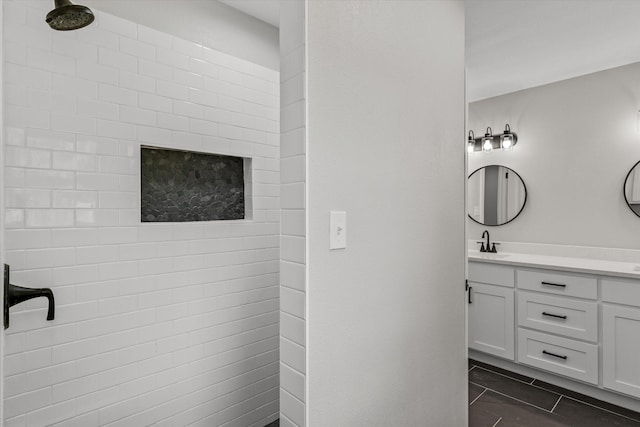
293, 215
164, 324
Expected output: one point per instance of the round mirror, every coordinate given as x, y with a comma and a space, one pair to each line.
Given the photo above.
495, 195
632, 189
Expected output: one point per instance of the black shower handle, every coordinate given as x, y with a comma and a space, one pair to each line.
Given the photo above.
16, 294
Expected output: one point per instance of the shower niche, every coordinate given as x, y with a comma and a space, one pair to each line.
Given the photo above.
184, 186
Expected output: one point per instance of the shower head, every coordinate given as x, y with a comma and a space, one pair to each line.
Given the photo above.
68, 16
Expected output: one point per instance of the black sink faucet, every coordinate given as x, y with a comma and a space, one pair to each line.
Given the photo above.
488, 246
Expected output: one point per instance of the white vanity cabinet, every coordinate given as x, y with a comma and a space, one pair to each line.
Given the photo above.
621, 335
491, 309
576, 321
558, 323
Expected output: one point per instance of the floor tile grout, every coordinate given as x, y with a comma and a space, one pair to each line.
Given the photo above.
557, 401
511, 397
479, 396
532, 383
588, 404
601, 408
507, 376
523, 382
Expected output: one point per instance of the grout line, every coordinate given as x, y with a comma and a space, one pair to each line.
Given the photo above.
549, 391
511, 397
471, 368
601, 408
591, 404
522, 382
282, 415
557, 401
551, 411
253, 410
499, 419
480, 395
506, 376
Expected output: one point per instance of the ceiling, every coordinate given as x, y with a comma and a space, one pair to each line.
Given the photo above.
265, 10
516, 44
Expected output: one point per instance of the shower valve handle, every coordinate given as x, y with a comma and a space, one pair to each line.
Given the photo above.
16, 294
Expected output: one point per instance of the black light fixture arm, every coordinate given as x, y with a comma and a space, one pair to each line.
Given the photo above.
16, 294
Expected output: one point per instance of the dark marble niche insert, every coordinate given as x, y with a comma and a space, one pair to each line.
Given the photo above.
180, 186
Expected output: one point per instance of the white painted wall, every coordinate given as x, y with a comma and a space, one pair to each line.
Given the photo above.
385, 126
170, 323
577, 140
208, 22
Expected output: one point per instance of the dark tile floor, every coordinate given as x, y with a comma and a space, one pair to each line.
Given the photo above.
502, 398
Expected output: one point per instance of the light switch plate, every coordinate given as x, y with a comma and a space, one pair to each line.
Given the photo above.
338, 230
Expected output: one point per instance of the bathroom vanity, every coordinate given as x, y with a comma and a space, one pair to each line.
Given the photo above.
572, 322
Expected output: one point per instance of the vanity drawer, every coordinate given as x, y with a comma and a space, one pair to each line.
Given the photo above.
491, 274
569, 317
558, 283
562, 356
621, 291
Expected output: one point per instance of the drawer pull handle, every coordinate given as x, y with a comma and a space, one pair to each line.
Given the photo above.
554, 355
557, 316
560, 285
470, 289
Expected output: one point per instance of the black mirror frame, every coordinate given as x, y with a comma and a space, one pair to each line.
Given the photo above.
524, 203
624, 187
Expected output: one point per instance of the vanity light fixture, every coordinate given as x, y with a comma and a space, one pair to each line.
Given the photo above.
487, 141
503, 141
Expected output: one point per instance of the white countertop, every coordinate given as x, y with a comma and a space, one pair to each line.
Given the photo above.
578, 265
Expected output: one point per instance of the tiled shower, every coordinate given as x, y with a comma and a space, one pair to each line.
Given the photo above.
174, 323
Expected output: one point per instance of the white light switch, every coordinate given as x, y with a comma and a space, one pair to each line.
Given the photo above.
338, 230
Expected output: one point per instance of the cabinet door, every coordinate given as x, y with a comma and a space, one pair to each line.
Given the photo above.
620, 349
491, 320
